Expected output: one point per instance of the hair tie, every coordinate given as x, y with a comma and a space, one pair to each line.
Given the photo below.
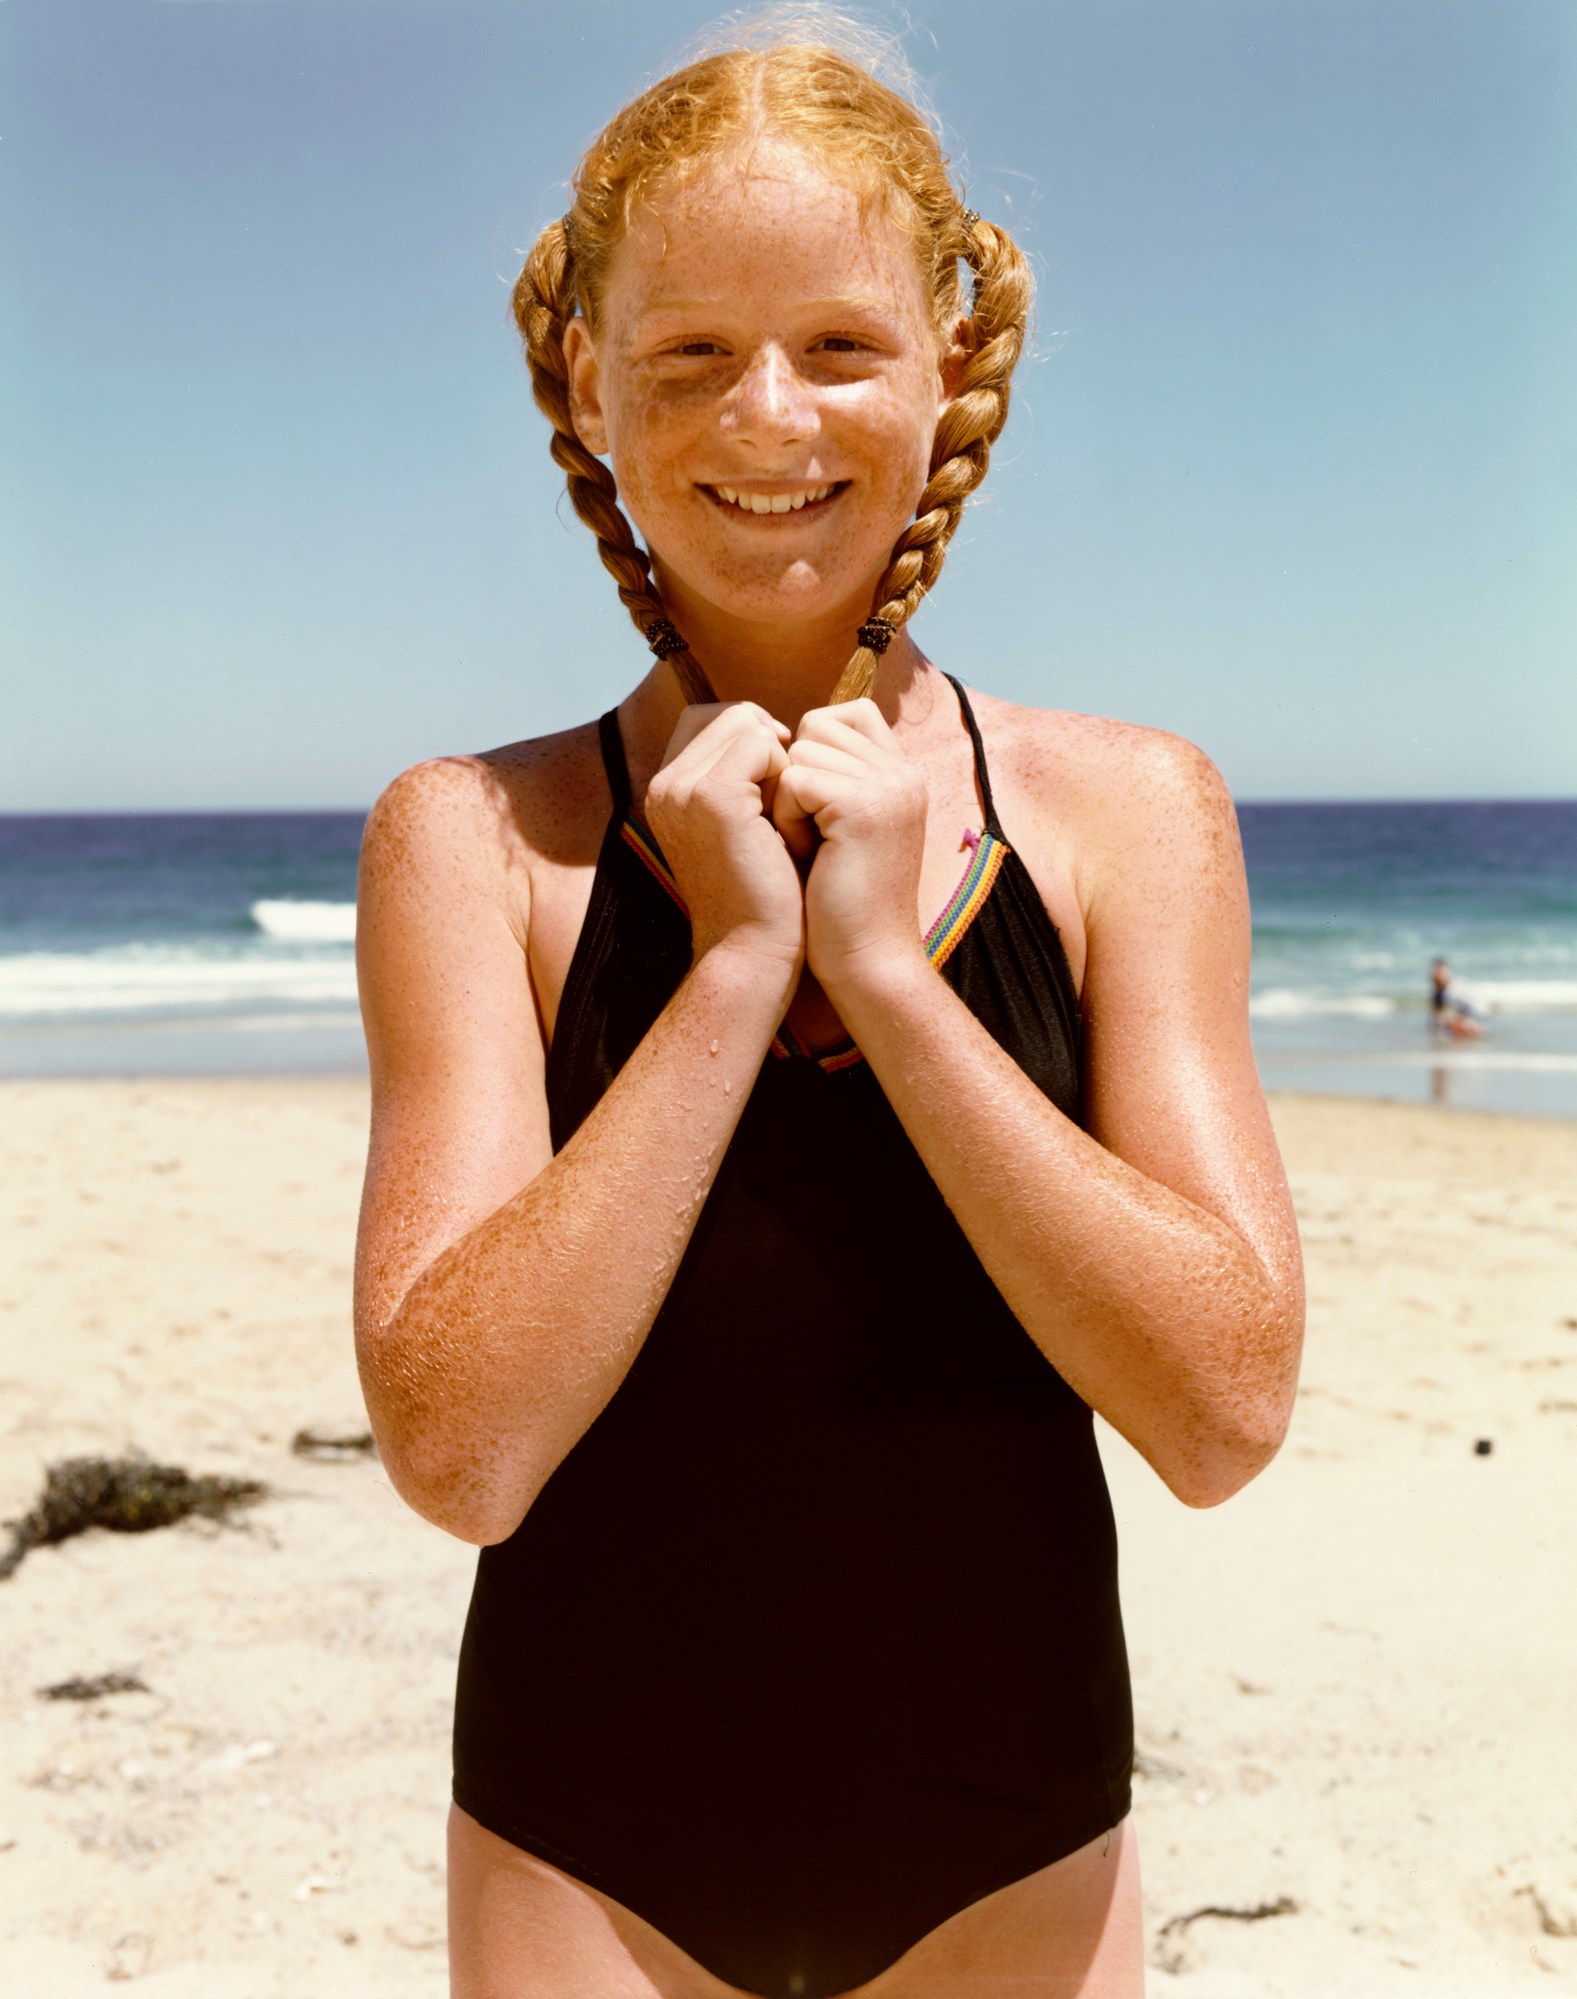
969, 217
877, 634
665, 637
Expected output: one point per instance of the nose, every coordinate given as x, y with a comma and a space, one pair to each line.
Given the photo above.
770, 404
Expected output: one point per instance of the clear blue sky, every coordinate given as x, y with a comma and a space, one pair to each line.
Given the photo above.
1293, 469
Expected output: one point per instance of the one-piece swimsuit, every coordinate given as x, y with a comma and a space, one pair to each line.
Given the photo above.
813, 1638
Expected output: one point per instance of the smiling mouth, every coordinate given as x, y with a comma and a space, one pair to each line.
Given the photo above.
800, 500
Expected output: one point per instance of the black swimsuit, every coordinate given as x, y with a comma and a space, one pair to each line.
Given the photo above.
813, 1638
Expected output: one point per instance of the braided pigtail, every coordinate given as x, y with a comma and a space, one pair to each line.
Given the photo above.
544, 302
971, 424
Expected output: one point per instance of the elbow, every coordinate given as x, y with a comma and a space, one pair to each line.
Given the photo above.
1243, 1419
1225, 1454
454, 1478
453, 1495
1210, 1478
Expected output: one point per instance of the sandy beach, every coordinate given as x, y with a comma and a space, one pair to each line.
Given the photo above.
1356, 1683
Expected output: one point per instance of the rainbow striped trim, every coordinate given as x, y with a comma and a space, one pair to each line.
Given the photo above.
966, 901
637, 834
941, 940
841, 1055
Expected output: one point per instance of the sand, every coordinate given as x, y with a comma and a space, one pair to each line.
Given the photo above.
1356, 1683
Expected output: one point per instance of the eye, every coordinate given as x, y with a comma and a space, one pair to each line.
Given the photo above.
839, 343
698, 347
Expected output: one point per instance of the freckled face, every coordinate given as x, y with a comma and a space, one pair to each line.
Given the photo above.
767, 382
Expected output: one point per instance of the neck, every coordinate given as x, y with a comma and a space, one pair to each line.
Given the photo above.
787, 677
788, 666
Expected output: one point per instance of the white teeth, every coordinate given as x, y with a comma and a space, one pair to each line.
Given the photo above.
772, 503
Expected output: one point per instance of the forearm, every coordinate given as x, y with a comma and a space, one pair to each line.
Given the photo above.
507, 1347
1159, 1314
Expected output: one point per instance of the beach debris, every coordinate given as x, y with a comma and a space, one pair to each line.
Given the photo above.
1283, 1905
329, 1448
94, 1689
1482, 1446
131, 1956
1156, 1768
1556, 1911
414, 1939
130, 1495
1170, 1952
237, 1755
316, 1884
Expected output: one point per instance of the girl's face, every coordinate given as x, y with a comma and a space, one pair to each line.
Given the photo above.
767, 381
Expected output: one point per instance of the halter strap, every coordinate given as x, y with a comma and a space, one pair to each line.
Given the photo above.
613, 761
982, 775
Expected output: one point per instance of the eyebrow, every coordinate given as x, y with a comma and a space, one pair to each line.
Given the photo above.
870, 304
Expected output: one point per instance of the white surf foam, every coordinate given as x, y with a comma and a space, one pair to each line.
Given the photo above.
1532, 1062
1523, 995
307, 922
1485, 996
1283, 1003
142, 979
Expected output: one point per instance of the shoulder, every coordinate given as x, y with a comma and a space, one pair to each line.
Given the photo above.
457, 870
497, 814
1113, 798
1091, 757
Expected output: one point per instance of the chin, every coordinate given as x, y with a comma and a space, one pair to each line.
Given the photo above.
792, 599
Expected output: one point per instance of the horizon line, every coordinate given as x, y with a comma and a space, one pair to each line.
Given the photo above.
347, 811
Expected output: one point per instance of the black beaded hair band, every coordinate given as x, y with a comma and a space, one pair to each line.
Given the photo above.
664, 637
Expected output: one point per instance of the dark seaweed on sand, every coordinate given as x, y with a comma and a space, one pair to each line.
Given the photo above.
94, 1689
334, 1447
127, 1495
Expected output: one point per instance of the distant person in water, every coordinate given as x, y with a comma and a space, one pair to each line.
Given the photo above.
1449, 1013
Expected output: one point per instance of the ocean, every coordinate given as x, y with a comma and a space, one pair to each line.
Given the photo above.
203, 943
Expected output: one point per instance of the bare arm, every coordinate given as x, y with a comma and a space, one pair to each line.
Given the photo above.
503, 1291
1153, 1258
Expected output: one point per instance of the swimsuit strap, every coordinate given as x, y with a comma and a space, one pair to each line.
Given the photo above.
613, 761
982, 775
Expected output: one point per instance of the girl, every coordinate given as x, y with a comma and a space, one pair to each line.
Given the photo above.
746, 1244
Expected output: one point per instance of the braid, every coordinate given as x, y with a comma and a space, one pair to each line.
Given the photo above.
971, 424
544, 302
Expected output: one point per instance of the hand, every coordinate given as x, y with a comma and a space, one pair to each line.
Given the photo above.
847, 775
710, 807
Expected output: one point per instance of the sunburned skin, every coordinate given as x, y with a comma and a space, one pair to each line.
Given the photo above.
766, 335
1149, 1251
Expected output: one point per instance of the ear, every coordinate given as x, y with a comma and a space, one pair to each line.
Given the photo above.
958, 344
585, 387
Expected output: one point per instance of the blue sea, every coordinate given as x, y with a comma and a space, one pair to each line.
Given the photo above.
222, 943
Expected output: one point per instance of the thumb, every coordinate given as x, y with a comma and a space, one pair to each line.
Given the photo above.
793, 820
